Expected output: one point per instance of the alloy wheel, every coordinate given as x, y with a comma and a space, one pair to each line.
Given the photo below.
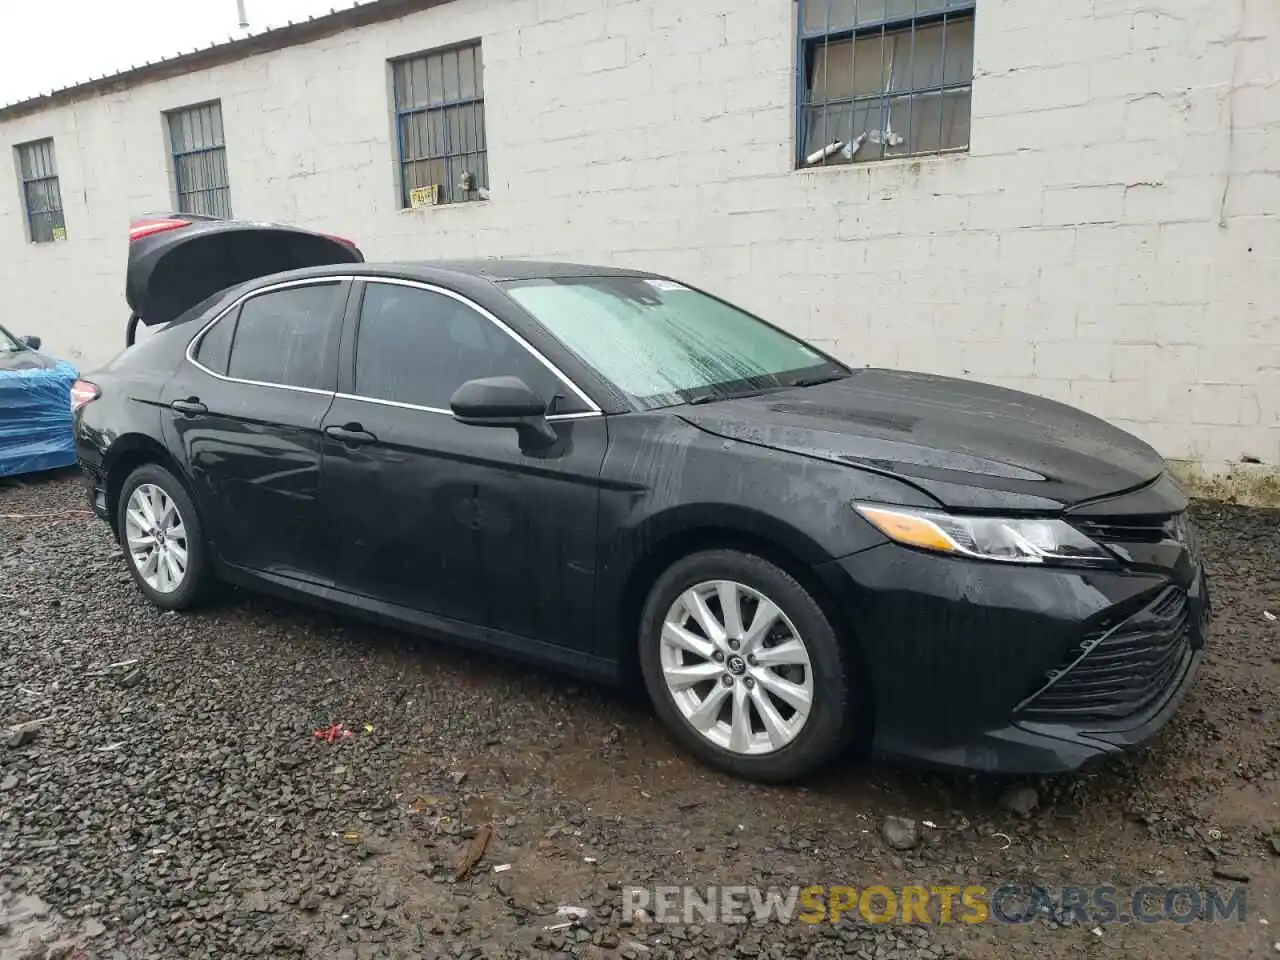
736, 667
156, 538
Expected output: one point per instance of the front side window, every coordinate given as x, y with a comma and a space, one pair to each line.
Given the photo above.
283, 337
417, 346
41, 192
662, 343
883, 79
199, 148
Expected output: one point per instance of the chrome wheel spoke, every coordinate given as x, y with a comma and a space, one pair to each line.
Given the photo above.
148, 509
766, 616
792, 694
740, 721
696, 604
774, 726
708, 712
730, 608
150, 564
173, 573
179, 557
680, 638
684, 677
141, 544
788, 653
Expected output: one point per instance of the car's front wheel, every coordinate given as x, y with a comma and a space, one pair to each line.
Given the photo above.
744, 667
161, 536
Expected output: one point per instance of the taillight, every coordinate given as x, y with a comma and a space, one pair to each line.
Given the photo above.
82, 392
147, 228
342, 240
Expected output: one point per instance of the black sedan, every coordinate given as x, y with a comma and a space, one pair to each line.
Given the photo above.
620, 476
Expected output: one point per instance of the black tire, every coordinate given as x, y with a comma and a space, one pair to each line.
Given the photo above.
830, 728
195, 583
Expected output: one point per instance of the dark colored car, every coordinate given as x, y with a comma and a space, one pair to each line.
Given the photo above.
621, 476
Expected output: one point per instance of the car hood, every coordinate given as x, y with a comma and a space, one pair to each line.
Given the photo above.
25, 360
968, 445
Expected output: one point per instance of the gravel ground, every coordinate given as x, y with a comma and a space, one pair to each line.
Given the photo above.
176, 802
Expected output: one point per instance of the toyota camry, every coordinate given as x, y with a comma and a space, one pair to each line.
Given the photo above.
618, 475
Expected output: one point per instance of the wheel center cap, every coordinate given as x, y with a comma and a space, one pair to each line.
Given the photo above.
737, 666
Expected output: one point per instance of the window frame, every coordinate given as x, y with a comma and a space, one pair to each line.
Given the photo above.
399, 113
808, 42
57, 215
347, 361
221, 193
232, 310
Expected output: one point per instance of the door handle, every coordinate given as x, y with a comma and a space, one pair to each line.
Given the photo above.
189, 407
350, 433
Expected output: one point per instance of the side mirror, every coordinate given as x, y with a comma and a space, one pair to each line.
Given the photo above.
32, 342
504, 402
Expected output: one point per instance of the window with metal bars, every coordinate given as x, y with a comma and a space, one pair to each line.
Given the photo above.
439, 107
883, 78
200, 160
41, 195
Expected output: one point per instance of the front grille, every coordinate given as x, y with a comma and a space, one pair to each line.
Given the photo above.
1121, 672
1130, 529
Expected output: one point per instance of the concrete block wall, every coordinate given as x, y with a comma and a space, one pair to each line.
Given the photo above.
1111, 239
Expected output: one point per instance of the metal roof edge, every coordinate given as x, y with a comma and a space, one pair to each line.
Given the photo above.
292, 34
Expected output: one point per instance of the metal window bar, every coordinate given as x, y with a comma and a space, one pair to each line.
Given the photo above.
440, 135
41, 192
925, 59
199, 151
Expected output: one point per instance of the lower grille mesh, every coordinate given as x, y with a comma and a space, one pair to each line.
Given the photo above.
1122, 672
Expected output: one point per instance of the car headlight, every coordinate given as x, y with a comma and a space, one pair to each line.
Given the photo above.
1007, 539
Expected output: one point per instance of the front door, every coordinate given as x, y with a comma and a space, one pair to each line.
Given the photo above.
449, 520
245, 414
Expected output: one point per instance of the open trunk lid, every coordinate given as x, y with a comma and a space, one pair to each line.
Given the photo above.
177, 260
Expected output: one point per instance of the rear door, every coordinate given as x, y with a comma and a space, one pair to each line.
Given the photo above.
450, 520
245, 411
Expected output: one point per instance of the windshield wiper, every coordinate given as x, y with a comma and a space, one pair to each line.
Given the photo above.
814, 381
731, 395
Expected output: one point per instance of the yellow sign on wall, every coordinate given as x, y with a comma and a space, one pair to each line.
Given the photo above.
424, 196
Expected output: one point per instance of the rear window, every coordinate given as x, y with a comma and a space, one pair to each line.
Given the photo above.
214, 348
284, 337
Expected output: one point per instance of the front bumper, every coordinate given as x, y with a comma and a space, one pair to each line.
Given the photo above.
1019, 669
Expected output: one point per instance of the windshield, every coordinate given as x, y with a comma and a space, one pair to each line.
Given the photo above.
9, 343
663, 344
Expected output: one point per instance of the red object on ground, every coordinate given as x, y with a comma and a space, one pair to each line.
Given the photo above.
333, 733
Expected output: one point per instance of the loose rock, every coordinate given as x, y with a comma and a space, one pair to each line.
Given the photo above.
900, 833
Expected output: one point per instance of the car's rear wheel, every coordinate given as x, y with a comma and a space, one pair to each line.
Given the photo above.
744, 667
161, 536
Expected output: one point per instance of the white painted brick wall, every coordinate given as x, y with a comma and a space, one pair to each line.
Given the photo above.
1112, 239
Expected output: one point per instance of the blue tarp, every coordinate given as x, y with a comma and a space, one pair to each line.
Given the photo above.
35, 420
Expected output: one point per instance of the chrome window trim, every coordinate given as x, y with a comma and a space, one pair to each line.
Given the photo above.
194, 345
284, 285
553, 418
492, 318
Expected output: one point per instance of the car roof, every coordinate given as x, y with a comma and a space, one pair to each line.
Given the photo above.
463, 272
